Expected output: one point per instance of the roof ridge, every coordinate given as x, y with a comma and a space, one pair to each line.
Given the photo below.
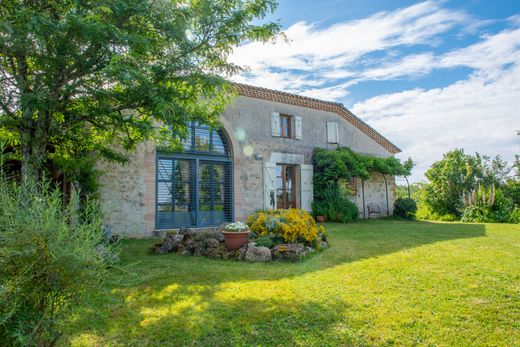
329, 106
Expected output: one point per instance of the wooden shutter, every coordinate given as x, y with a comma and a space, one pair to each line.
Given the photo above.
332, 132
275, 124
298, 127
306, 188
269, 186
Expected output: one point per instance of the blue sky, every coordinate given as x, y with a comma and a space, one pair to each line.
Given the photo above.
429, 75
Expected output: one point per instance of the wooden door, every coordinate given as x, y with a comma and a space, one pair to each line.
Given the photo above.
285, 186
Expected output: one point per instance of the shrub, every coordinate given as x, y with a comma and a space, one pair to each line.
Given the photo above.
405, 208
291, 225
475, 214
50, 255
264, 241
335, 205
207, 234
515, 216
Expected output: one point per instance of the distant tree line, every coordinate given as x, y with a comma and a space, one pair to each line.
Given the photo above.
470, 188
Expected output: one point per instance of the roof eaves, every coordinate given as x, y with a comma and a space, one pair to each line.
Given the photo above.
304, 101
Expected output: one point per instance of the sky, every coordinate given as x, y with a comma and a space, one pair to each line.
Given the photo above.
430, 76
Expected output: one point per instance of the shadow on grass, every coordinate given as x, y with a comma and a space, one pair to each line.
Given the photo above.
176, 300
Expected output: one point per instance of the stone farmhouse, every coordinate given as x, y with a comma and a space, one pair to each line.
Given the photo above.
260, 158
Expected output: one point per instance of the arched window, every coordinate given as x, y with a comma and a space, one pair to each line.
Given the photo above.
194, 187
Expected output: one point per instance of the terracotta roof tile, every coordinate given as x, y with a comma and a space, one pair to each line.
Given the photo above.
303, 101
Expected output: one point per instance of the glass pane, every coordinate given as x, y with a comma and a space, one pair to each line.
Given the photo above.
164, 169
181, 170
165, 208
202, 139
164, 194
218, 173
288, 177
186, 143
182, 193
218, 143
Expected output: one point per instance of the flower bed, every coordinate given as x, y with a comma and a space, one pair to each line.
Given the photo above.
275, 235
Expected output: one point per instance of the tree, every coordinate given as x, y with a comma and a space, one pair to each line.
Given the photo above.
448, 179
96, 77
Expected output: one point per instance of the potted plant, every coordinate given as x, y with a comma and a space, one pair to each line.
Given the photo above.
235, 235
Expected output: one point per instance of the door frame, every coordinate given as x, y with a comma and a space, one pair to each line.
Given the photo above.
294, 186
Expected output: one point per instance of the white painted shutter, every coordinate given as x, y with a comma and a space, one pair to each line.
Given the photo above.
298, 127
276, 127
332, 132
269, 186
306, 187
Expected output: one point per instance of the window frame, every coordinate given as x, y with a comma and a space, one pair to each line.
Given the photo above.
289, 126
336, 132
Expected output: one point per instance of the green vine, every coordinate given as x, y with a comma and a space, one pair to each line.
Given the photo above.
343, 163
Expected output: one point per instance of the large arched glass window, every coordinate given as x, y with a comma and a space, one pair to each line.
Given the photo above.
194, 187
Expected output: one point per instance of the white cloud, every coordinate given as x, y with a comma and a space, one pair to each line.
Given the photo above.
326, 51
479, 114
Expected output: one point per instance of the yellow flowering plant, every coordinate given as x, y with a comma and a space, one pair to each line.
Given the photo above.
292, 225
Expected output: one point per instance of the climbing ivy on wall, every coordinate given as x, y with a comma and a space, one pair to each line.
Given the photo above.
344, 163
331, 167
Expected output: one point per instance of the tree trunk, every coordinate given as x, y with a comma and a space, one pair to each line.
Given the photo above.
33, 149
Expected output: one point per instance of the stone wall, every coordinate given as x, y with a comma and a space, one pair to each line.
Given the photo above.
128, 191
249, 122
375, 193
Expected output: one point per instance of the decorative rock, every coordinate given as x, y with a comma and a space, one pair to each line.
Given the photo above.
185, 231
212, 248
241, 253
257, 254
291, 251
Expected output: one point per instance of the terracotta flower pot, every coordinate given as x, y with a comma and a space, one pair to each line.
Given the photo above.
320, 219
234, 240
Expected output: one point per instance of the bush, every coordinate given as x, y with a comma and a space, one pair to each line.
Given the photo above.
264, 241
405, 208
498, 208
50, 255
475, 214
335, 205
293, 225
515, 216
207, 234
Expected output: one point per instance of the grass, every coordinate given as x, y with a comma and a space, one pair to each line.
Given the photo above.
381, 283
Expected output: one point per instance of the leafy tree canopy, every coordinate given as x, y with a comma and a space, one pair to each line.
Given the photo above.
99, 76
458, 172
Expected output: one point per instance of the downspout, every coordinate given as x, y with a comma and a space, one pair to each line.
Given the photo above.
363, 194
386, 188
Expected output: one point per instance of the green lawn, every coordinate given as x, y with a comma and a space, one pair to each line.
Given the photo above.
381, 283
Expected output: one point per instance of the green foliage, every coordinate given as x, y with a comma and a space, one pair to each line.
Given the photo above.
99, 77
344, 163
515, 215
207, 234
335, 205
448, 179
332, 167
405, 208
264, 241
292, 225
462, 186
50, 256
